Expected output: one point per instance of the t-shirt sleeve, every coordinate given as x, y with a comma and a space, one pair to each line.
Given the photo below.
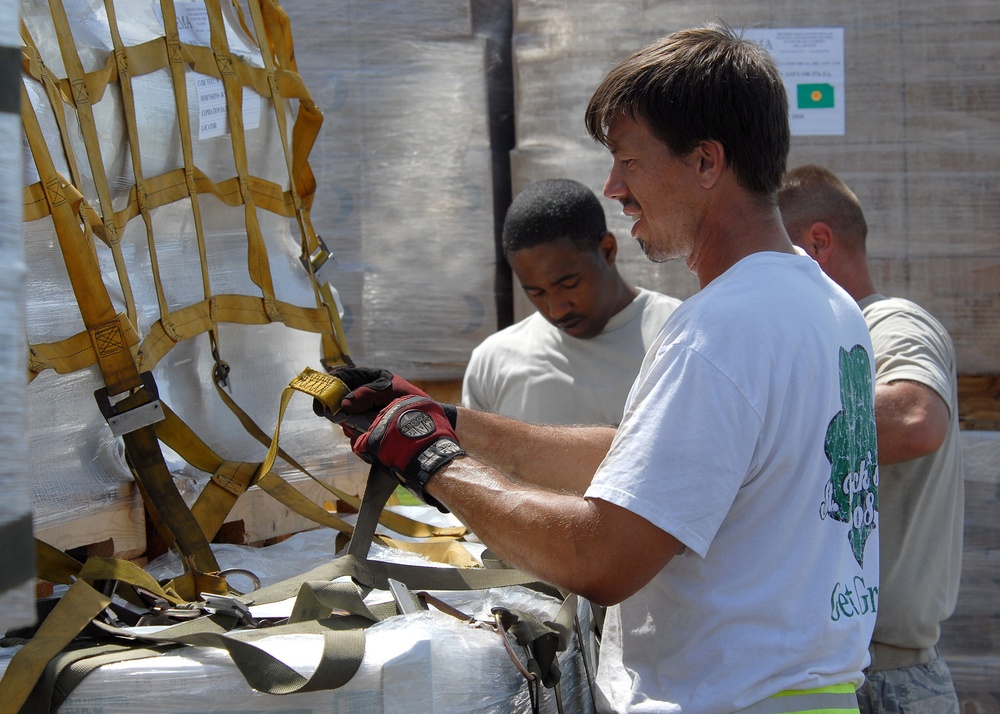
473, 396
683, 450
910, 346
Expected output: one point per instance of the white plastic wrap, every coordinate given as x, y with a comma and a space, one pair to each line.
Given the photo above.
424, 662
920, 147
403, 167
77, 467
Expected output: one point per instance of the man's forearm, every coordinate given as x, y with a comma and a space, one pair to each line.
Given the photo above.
588, 546
557, 457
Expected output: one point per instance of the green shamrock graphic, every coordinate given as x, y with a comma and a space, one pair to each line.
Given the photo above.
852, 492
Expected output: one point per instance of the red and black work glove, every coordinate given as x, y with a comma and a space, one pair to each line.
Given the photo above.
373, 389
413, 439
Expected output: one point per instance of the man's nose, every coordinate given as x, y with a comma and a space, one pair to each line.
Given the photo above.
614, 186
559, 307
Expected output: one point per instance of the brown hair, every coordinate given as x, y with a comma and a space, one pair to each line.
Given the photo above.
703, 84
812, 193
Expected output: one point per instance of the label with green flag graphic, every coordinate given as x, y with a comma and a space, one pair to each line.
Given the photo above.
815, 96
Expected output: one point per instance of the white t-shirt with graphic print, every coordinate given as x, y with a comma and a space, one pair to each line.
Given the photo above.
750, 437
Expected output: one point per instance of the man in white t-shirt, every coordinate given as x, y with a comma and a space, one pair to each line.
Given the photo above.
921, 499
574, 360
730, 523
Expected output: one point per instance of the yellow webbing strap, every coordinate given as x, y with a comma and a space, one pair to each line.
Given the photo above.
231, 478
88, 128
54, 565
257, 259
270, 20
129, 573
107, 332
34, 68
329, 391
128, 102
443, 550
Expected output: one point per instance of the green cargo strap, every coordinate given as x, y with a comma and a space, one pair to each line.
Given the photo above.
316, 596
343, 638
74, 611
67, 669
836, 699
376, 574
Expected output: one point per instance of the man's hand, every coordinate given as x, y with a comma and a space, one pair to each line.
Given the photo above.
413, 438
374, 389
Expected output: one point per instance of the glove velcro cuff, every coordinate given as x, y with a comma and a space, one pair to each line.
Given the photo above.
427, 463
451, 411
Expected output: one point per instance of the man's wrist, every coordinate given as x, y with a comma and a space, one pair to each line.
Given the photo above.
427, 463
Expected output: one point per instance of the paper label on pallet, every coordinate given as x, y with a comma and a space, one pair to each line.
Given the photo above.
213, 120
811, 62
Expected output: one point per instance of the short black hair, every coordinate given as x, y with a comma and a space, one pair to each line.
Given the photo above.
548, 210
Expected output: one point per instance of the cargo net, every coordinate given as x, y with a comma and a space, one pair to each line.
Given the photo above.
172, 265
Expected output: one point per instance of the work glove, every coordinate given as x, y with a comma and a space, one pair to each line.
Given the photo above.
373, 389
412, 438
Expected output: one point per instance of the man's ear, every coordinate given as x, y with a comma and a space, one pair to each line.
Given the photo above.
608, 247
820, 241
711, 160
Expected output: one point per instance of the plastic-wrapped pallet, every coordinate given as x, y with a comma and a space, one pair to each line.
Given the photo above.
17, 588
406, 175
920, 147
969, 639
192, 208
425, 661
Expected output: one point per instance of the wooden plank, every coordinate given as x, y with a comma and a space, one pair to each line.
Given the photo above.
257, 517
123, 523
970, 638
979, 402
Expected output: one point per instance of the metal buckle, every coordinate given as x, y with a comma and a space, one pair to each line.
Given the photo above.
320, 262
406, 601
126, 421
226, 605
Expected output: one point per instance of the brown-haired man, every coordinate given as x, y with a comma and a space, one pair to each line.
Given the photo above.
730, 522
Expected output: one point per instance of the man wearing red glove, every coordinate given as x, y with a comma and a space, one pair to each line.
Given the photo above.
730, 522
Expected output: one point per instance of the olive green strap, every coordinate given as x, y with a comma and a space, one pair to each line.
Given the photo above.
74, 611
67, 669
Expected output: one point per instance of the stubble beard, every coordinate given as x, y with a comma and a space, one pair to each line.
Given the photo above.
659, 255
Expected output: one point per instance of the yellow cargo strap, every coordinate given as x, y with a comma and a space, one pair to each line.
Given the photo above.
108, 335
329, 391
111, 340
